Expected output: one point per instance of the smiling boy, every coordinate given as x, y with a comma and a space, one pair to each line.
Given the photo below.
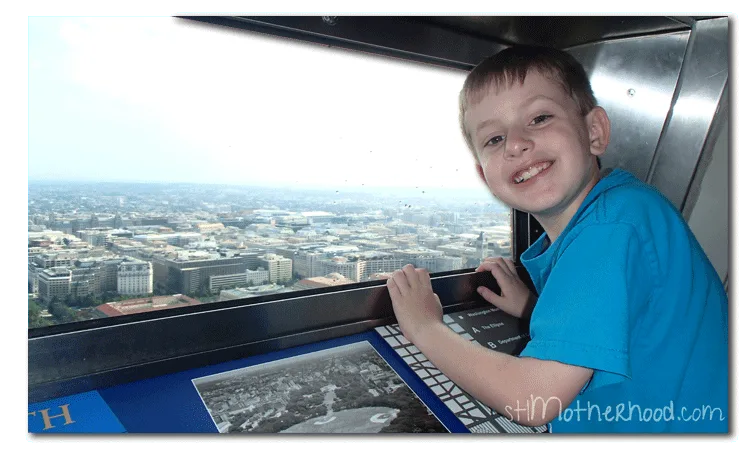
630, 316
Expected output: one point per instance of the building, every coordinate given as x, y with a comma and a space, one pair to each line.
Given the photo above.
55, 259
120, 233
47, 235
177, 239
432, 241
209, 227
95, 238
344, 260
440, 263
380, 276
378, 262
218, 282
279, 268
54, 283
189, 272
134, 278
460, 249
305, 263
85, 279
33, 278
351, 268
139, 305
250, 258
332, 279
318, 216
109, 273
254, 277
256, 291
258, 277
126, 247
457, 228
432, 260
482, 245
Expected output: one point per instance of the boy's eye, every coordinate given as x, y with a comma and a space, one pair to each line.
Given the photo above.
540, 119
494, 140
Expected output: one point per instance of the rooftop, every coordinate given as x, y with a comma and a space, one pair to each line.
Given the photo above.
139, 305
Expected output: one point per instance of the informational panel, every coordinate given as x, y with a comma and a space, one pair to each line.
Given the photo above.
345, 389
373, 382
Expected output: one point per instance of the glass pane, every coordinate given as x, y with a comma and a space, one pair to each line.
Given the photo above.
173, 163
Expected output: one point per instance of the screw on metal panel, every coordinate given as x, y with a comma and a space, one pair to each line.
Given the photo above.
330, 20
630, 92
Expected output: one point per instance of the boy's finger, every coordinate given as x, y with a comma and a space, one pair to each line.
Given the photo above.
411, 274
400, 279
511, 266
502, 278
488, 295
505, 267
392, 288
491, 265
423, 277
487, 261
495, 259
486, 265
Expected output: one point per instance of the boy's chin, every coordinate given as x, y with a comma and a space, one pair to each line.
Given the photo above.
538, 208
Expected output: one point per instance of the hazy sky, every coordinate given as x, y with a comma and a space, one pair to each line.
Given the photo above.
165, 99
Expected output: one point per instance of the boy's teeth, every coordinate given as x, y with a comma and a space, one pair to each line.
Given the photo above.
531, 172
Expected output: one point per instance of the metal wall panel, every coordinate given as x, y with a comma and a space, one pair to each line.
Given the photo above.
695, 113
634, 79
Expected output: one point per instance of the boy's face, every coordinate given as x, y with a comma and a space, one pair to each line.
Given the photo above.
536, 152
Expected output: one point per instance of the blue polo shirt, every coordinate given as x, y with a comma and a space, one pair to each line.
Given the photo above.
627, 291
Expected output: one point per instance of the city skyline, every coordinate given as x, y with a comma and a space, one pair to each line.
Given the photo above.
386, 191
98, 250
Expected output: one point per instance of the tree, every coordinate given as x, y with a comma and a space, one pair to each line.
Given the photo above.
61, 313
35, 321
204, 291
160, 289
90, 300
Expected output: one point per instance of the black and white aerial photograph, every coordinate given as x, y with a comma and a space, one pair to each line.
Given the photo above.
346, 389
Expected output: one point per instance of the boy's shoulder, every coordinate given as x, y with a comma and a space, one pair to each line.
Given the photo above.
626, 199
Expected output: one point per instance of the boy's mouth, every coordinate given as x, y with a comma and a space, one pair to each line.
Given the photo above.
531, 171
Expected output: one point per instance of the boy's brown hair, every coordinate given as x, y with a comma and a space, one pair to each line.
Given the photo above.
512, 64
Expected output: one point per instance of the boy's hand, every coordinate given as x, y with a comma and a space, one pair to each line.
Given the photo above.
415, 305
515, 296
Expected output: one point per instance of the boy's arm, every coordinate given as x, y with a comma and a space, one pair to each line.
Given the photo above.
530, 391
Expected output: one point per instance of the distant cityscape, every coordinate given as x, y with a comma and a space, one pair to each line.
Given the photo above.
107, 249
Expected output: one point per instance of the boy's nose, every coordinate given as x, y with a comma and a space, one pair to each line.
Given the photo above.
516, 144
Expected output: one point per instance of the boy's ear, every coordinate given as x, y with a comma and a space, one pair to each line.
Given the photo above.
599, 130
